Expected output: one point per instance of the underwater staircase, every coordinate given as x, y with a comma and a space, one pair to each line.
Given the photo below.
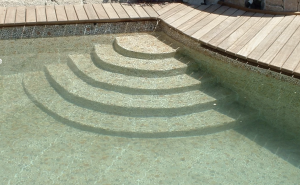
137, 87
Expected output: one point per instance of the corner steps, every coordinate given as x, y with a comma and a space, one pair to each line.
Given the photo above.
110, 100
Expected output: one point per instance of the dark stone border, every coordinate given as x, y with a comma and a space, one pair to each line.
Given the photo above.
46, 31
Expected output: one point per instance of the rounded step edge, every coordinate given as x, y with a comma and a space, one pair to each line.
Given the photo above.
145, 47
46, 98
84, 68
105, 57
73, 89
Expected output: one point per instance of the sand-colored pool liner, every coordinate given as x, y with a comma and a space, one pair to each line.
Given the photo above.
189, 110
77, 116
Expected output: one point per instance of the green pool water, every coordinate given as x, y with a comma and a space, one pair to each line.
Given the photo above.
37, 148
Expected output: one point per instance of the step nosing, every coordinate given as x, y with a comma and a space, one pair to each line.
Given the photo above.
143, 47
76, 91
104, 56
85, 69
64, 76
39, 90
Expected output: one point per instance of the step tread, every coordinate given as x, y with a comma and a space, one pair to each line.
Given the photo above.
85, 65
107, 54
41, 92
67, 80
143, 46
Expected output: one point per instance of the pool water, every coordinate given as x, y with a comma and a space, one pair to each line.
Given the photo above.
37, 147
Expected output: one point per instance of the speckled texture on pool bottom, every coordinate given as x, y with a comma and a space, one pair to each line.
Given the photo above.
37, 149
31, 154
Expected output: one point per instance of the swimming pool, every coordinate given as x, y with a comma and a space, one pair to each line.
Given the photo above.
40, 148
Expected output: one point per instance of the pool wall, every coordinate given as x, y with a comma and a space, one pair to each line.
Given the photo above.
275, 95
47, 31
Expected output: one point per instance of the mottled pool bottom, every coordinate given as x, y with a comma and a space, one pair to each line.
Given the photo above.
36, 149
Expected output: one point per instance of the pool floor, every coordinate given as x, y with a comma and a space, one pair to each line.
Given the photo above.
37, 149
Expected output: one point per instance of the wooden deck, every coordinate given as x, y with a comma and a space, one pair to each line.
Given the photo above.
269, 40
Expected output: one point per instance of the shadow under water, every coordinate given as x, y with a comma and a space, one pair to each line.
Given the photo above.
278, 142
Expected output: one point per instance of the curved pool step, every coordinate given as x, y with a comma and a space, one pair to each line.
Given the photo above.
46, 98
105, 57
78, 92
143, 46
83, 67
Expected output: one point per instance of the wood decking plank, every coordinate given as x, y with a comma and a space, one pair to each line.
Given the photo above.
171, 12
150, 11
30, 14
21, 15
222, 26
259, 36
51, 14
140, 10
80, 12
220, 37
287, 50
297, 69
199, 25
179, 14
188, 16
235, 35
100, 11
71, 14
61, 13
156, 7
120, 10
167, 8
40, 13
89, 9
269, 40
198, 17
293, 60
272, 51
10, 15
130, 11
2, 14
249, 34
198, 34
112, 14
